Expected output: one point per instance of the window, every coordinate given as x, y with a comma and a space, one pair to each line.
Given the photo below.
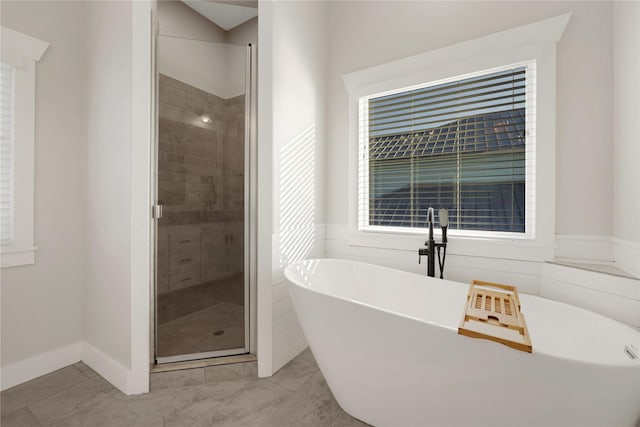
387, 193
20, 54
460, 144
7, 94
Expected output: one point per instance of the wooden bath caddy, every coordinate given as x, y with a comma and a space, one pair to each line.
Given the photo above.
495, 315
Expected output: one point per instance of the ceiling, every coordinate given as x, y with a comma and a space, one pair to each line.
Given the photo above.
225, 14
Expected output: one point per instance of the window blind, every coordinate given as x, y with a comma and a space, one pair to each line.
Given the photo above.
465, 144
7, 103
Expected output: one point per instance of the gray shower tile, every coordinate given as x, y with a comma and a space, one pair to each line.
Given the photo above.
232, 372
170, 112
173, 379
19, 418
60, 405
312, 405
40, 388
175, 96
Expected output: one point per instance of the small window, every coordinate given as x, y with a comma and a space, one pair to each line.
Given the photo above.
7, 112
20, 54
465, 144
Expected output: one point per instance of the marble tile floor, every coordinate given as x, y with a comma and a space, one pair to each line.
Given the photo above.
195, 333
225, 395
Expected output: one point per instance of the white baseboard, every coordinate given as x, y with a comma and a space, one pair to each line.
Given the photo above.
584, 247
45, 363
41, 364
108, 368
627, 256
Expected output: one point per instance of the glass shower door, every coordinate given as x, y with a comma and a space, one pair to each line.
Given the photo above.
201, 282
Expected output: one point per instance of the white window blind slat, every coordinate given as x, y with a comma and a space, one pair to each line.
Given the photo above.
7, 104
466, 145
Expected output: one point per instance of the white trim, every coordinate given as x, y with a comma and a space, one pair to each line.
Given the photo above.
112, 371
534, 41
18, 47
626, 255
202, 355
391, 75
141, 201
41, 364
23, 52
16, 256
264, 191
530, 162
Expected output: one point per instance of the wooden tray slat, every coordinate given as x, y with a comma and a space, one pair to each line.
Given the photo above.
493, 312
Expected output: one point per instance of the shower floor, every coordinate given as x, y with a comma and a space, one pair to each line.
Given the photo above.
199, 332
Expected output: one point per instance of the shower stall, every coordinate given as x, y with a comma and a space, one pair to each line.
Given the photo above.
204, 199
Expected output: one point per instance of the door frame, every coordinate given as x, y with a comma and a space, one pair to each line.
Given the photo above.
250, 211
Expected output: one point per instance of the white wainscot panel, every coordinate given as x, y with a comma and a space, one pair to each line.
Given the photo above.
623, 309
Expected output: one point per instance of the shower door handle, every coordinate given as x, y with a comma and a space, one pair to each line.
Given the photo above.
156, 211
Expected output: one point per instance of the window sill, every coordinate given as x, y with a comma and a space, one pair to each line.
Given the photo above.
13, 257
465, 234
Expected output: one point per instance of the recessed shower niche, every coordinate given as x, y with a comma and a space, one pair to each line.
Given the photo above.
203, 183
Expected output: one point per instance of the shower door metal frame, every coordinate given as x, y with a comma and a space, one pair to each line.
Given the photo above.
250, 217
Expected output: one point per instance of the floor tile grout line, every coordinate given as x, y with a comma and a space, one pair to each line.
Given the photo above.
294, 391
101, 395
226, 399
82, 372
276, 384
291, 396
34, 416
270, 379
47, 397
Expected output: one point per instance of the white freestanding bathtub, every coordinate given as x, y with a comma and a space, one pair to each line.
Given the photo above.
387, 343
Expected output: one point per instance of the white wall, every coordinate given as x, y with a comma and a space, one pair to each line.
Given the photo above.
42, 304
626, 121
297, 94
397, 29
108, 167
75, 302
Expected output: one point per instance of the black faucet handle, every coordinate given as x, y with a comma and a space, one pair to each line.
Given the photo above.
422, 252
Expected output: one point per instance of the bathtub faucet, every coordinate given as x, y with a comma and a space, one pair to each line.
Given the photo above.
432, 246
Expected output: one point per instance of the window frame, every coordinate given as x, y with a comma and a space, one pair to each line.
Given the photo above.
363, 159
533, 42
23, 52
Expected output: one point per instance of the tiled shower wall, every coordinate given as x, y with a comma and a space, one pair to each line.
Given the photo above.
201, 165
201, 188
